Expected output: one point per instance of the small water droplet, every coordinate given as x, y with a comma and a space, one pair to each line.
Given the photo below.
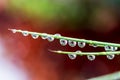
72, 56
50, 39
44, 36
110, 56
63, 42
91, 57
81, 44
72, 43
57, 34
25, 33
13, 30
78, 52
34, 36
110, 48
93, 45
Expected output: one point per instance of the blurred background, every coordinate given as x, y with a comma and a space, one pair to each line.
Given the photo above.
23, 58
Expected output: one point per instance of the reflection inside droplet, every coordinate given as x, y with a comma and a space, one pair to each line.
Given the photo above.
25, 33
72, 43
72, 56
63, 42
34, 35
81, 44
50, 39
44, 36
110, 48
110, 56
91, 57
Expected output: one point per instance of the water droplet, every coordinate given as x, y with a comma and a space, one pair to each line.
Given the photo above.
110, 56
91, 57
25, 33
110, 48
44, 36
114, 48
63, 42
34, 36
72, 56
81, 44
50, 39
78, 52
107, 48
93, 45
13, 30
57, 34
72, 43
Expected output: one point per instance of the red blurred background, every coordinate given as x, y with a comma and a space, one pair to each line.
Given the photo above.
31, 59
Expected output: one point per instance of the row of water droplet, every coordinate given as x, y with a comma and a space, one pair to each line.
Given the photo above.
64, 42
73, 56
110, 49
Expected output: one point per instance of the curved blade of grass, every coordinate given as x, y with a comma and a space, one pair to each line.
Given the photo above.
98, 43
112, 76
85, 53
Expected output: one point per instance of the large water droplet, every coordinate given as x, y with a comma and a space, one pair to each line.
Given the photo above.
114, 48
72, 56
110, 48
63, 42
81, 44
91, 57
110, 56
34, 35
25, 33
50, 39
44, 36
72, 43
107, 48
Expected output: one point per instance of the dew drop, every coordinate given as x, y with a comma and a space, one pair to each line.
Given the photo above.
114, 48
72, 43
44, 36
107, 48
78, 52
110, 48
72, 56
25, 33
110, 56
34, 36
57, 34
13, 30
91, 57
93, 45
63, 42
50, 39
81, 44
